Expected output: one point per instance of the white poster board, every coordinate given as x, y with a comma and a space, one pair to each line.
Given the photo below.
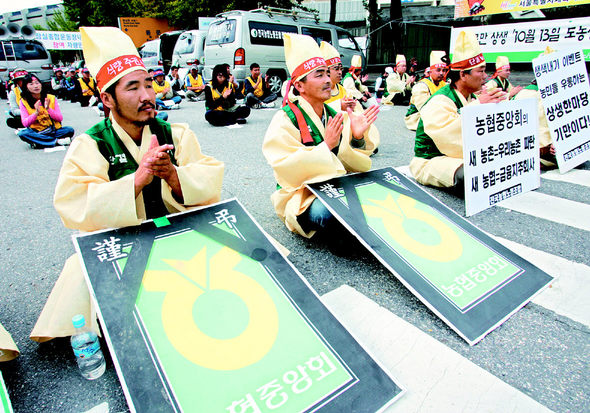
522, 42
563, 84
500, 152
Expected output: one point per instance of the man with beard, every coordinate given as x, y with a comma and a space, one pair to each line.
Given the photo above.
399, 84
127, 168
438, 148
425, 88
308, 141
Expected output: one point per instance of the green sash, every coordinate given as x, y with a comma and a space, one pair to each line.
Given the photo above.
424, 146
122, 163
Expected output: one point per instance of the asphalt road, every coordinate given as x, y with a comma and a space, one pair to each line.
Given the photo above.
542, 354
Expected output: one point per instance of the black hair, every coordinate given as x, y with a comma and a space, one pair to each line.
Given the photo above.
173, 67
111, 91
221, 68
26, 94
254, 66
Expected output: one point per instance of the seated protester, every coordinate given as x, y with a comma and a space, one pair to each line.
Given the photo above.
220, 100
174, 79
88, 88
41, 117
338, 100
500, 78
257, 90
438, 148
399, 84
194, 85
13, 119
425, 88
164, 92
58, 84
73, 90
381, 83
308, 141
157, 168
238, 89
354, 86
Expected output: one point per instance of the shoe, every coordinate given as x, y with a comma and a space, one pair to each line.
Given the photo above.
240, 121
176, 106
267, 105
64, 141
256, 106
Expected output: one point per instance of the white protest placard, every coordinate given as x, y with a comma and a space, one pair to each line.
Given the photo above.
563, 84
500, 152
522, 42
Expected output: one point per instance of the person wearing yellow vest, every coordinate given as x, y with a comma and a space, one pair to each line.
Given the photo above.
438, 147
14, 97
339, 100
308, 141
256, 90
41, 117
354, 86
194, 85
399, 84
125, 169
500, 78
425, 88
220, 100
165, 97
88, 88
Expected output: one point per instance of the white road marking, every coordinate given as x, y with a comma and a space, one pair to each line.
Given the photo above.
434, 375
575, 176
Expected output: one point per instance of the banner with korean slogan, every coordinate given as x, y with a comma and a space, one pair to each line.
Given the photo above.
562, 79
522, 42
500, 152
202, 313
469, 8
466, 278
59, 40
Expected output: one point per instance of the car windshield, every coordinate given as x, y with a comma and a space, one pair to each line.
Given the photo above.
222, 32
22, 50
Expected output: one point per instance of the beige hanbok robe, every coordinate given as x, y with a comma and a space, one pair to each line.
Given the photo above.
8, 349
351, 90
87, 200
396, 84
295, 164
442, 122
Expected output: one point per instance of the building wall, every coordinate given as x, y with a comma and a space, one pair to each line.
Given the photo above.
32, 16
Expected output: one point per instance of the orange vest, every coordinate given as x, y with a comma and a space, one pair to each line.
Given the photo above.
43, 120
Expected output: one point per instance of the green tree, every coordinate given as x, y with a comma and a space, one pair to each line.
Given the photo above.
61, 23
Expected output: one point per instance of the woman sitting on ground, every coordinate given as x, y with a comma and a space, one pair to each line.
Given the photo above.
220, 101
41, 117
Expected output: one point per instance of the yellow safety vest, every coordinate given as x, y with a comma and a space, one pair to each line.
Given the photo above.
195, 82
216, 95
431, 86
159, 89
43, 120
257, 89
91, 86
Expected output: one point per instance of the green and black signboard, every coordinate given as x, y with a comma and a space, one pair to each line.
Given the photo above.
203, 314
468, 279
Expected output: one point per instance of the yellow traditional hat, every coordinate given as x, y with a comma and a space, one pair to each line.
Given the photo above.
331, 55
436, 59
548, 50
467, 53
502, 63
302, 54
356, 62
399, 59
109, 54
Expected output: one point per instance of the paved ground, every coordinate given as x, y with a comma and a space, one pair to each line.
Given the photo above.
543, 351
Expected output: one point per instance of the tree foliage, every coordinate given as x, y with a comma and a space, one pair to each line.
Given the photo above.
182, 14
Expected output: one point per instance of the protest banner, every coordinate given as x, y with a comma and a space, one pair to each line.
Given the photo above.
562, 79
522, 42
202, 313
465, 277
5, 405
500, 152
468, 8
59, 40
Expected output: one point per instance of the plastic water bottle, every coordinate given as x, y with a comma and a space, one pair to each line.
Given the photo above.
87, 350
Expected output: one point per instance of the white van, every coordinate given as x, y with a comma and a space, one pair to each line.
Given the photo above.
241, 38
150, 54
189, 48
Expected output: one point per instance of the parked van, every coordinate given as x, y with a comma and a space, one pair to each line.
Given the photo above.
150, 53
189, 50
241, 38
